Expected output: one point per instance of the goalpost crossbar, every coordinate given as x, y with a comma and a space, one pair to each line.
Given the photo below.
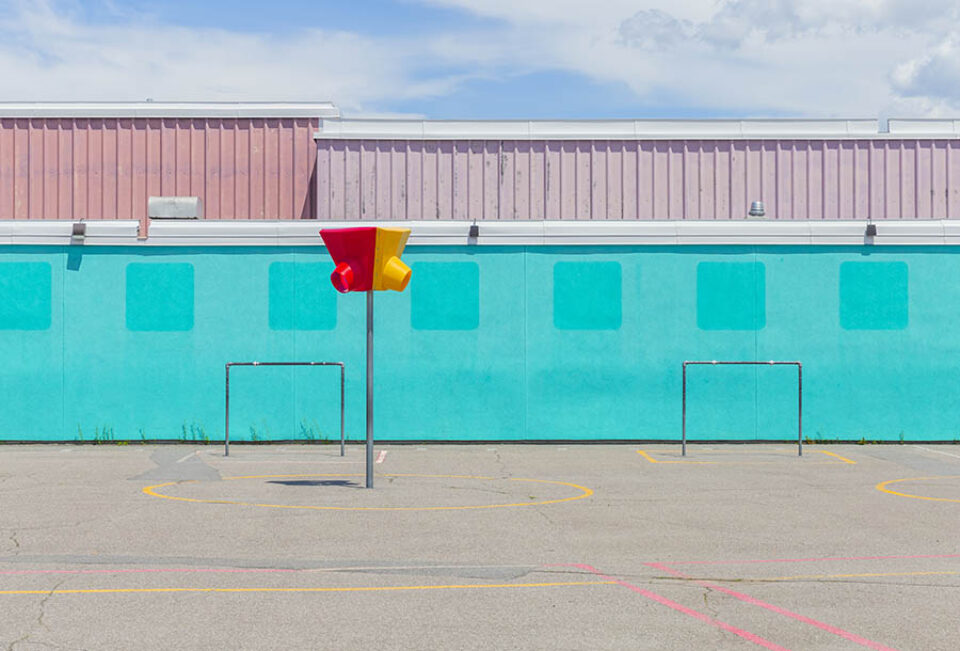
229, 365
747, 363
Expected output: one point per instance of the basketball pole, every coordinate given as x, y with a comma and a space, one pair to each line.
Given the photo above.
370, 388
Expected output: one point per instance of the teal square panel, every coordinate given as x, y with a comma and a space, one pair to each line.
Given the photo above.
873, 296
25, 290
159, 296
731, 296
587, 295
302, 296
445, 296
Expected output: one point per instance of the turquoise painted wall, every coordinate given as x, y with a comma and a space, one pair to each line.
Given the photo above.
487, 343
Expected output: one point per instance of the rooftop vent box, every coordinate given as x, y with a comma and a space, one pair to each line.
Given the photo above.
174, 208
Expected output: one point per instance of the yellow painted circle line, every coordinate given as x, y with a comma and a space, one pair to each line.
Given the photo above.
882, 487
585, 492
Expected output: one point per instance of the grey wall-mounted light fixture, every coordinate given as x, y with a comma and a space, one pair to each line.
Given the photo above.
871, 230
757, 209
474, 231
79, 233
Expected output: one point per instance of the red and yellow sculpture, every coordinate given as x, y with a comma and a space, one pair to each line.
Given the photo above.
367, 258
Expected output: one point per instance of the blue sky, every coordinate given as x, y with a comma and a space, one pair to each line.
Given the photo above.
375, 17
496, 58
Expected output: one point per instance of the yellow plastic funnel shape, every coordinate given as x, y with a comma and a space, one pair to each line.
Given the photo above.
389, 271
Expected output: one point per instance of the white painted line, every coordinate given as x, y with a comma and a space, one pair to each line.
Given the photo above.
192, 454
382, 456
955, 456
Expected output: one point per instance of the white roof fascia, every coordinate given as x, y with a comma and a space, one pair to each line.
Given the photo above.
520, 233
565, 233
322, 110
926, 128
596, 129
58, 233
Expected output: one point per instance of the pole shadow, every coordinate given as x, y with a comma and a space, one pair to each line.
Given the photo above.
344, 483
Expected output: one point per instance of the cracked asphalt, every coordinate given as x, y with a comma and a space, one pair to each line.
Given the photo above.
479, 547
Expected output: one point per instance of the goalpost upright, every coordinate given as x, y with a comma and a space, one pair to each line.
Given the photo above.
226, 434
747, 363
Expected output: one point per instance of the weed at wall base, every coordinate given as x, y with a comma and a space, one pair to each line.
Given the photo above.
194, 433
310, 431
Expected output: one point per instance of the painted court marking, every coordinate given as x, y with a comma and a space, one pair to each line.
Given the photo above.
882, 487
837, 456
753, 601
827, 559
847, 635
585, 492
801, 577
948, 454
392, 588
652, 459
381, 456
263, 570
669, 603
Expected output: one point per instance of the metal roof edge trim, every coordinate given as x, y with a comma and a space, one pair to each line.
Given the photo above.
922, 127
533, 233
321, 110
112, 232
758, 129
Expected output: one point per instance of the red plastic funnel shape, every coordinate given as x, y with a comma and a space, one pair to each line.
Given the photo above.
353, 251
342, 277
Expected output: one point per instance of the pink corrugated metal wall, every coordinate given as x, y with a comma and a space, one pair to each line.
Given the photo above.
106, 168
272, 169
607, 180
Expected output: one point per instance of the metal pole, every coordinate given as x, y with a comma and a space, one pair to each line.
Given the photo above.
226, 425
799, 409
684, 409
342, 436
370, 389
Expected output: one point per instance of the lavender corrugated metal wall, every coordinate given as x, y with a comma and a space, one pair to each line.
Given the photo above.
106, 168
609, 180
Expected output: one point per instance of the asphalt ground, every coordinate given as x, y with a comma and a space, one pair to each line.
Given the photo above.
480, 547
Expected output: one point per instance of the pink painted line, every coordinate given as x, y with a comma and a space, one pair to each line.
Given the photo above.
847, 635
814, 560
146, 570
660, 599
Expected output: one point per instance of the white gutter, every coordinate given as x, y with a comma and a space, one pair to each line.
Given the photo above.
857, 129
923, 128
595, 129
450, 233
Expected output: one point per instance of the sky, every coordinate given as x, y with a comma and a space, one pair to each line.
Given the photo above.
470, 59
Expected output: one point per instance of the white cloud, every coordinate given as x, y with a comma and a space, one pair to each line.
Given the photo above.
801, 57
798, 57
49, 54
933, 75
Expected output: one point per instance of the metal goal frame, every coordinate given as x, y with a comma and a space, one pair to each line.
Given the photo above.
226, 436
747, 363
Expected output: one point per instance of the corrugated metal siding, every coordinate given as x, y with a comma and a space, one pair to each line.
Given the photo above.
106, 168
629, 179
